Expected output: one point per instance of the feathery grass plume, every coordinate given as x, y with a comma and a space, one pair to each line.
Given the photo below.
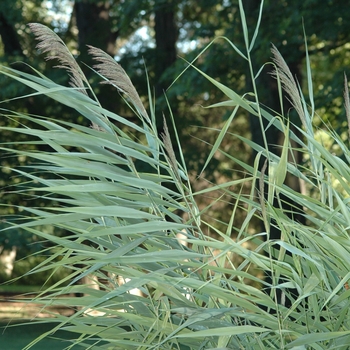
169, 148
347, 101
50, 42
262, 195
116, 76
283, 73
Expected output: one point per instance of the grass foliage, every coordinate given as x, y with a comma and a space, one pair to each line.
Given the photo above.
122, 223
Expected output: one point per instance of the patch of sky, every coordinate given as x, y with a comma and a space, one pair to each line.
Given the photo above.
60, 13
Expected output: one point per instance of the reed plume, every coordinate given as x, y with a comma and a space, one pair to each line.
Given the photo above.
283, 73
116, 76
50, 42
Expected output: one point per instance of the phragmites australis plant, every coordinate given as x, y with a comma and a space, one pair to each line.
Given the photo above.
128, 230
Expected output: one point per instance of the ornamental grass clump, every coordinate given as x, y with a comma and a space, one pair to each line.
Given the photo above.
152, 278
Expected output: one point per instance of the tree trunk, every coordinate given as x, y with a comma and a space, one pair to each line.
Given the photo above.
166, 35
9, 37
95, 27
